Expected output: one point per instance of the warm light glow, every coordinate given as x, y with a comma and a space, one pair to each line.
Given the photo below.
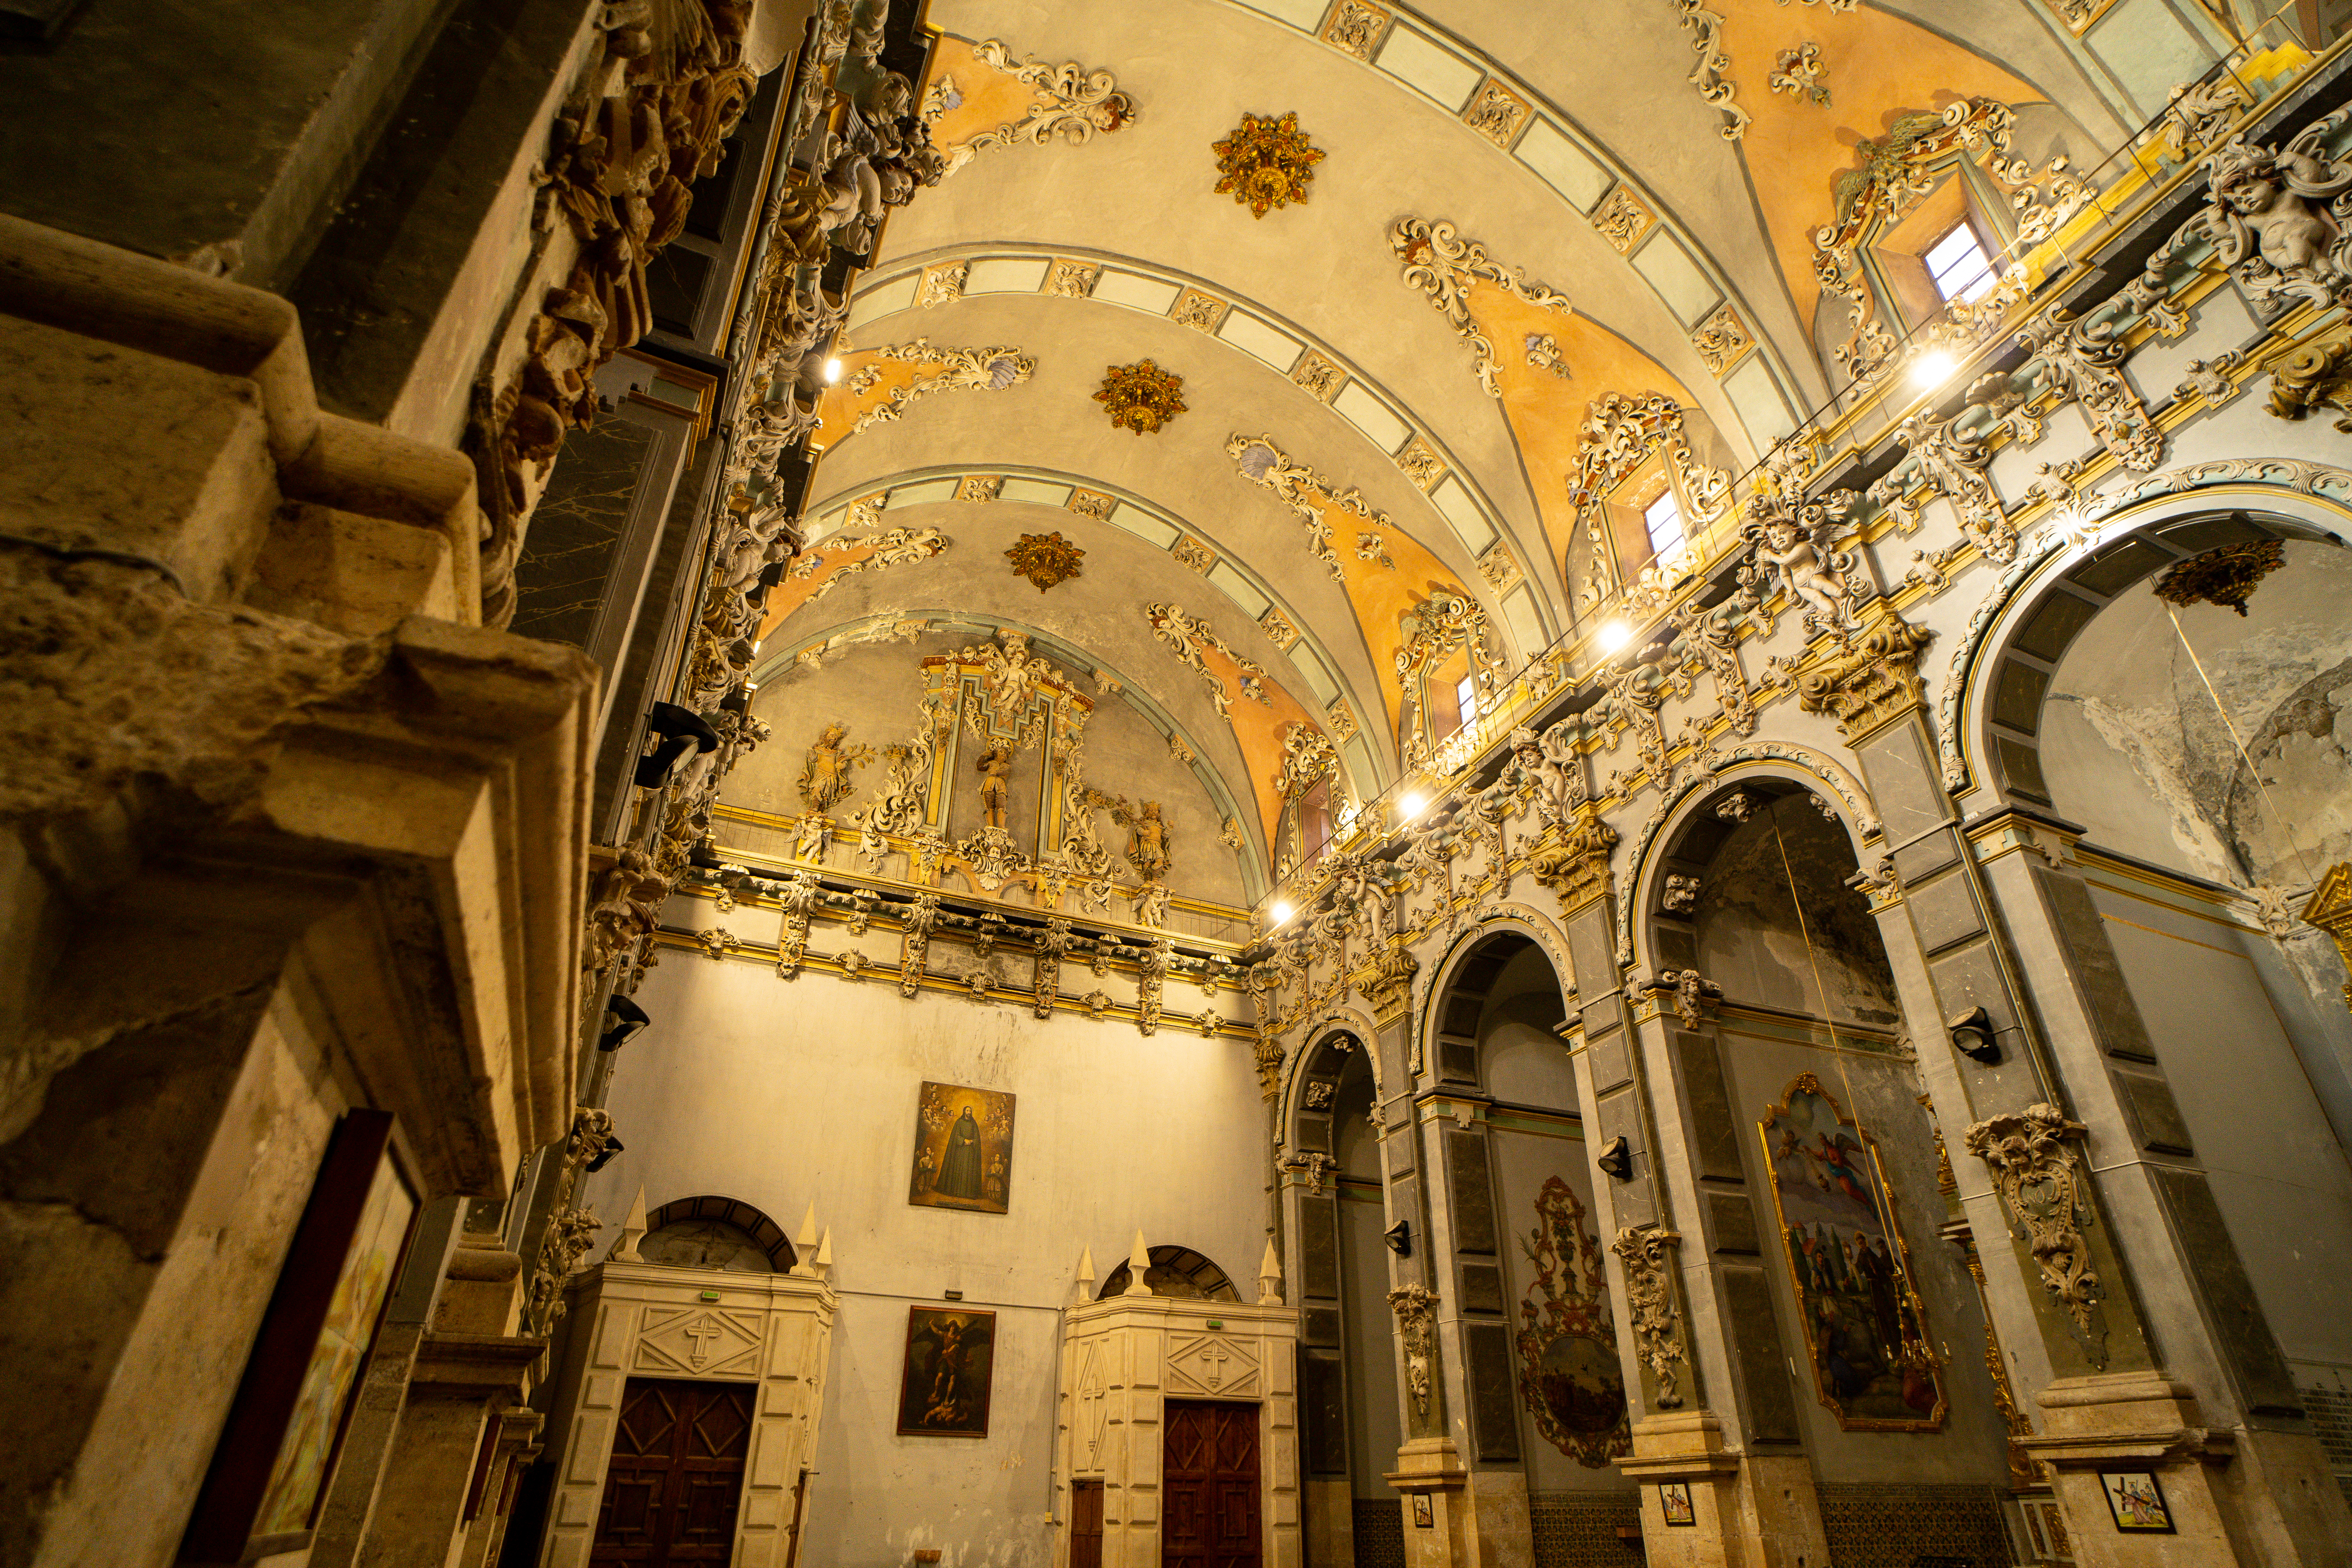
1615, 636
1933, 368
1280, 911
1412, 805
831, 370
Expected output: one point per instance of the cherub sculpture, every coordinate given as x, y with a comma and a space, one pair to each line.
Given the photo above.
2266, 221
1796, 549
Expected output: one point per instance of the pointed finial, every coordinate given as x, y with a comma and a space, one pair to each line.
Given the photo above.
824, 1255
1269, 1278
1138, 1264
632, 1230
1086, 1281
804, 1246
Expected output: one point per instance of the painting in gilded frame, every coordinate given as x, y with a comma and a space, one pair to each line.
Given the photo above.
963, 1150
1872, 1366
950, 1369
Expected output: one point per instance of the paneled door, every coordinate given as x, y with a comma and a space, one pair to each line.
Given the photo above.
1209, 1479
677, 1476
1086, 1525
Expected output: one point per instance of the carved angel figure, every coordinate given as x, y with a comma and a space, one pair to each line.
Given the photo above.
825, 779
1146, 841
2266, 221
1796, 551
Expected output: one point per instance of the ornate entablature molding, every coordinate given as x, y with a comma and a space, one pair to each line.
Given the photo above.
1619, 435
1073, 105
1444, 265
954, 370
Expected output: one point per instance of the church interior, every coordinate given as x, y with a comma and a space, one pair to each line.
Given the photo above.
972, 784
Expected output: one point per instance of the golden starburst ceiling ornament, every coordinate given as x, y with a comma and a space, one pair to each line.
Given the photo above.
1141, 396
2225, 576
1266, 164
1045, 559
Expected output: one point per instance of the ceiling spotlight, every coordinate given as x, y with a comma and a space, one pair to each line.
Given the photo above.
1615, 636
833, 370
1412, 805
1933, 368
1280, 911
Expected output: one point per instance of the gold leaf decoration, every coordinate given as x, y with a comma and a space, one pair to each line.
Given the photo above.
1266, 164
2224, 576
1141, 396
1045, 559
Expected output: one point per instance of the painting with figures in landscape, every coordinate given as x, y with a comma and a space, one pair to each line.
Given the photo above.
1872, 1366
963, 1150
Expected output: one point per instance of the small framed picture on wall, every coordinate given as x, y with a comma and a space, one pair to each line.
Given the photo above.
1424, 1517
1675, 1502
2136, 1499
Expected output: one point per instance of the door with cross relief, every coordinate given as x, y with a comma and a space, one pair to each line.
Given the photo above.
676, 1477
1209, 1478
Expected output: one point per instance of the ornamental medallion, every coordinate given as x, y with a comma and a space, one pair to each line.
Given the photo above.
2224, 576
1141, 396
1266, 164
1045, 559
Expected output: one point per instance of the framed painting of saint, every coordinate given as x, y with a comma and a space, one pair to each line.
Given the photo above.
1872, 1366
963, 1150
943, 1385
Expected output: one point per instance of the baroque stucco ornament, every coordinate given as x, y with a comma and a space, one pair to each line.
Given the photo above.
2042, 1182
1071, 106
2226, 577
1444, 266
1045, 559
1266, 164
1141, 396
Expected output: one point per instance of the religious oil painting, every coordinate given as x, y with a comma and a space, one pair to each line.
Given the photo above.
1568, 1372
1675, 1502
963, 1150
943, 1387
1872, 1364
2136, 1499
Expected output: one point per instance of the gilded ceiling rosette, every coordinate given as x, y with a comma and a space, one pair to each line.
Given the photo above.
1141, 396
1266, 164
1045, 559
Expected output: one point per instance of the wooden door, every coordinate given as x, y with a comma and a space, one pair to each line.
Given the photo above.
677, 1476
1209, 1480
1086, 1525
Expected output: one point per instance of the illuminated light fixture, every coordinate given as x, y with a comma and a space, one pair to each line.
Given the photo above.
1280, 911
1933, 368
1615, 636
1412, 805
833, 370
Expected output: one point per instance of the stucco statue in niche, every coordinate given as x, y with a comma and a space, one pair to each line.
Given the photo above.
994, 766
826, 780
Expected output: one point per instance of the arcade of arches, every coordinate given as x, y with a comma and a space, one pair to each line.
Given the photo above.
1257, 784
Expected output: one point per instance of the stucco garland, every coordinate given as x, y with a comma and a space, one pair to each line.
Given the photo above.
2066, 547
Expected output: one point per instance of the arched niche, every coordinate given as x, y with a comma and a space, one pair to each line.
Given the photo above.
2009, 689
710, 1232
1176, 1271
1753, 890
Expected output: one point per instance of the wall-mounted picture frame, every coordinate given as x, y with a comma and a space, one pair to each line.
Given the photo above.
1424, 1517
2135, 1501
945, 1378
1675, 1502
278, 1451
963, 1150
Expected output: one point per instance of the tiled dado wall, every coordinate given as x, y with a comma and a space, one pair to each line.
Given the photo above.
1580, 1529
2330, 1410
1888, 1525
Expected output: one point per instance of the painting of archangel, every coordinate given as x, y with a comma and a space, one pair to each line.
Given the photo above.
1872, 1366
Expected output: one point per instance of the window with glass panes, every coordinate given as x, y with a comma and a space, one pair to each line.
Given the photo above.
1959, 266
1662, 518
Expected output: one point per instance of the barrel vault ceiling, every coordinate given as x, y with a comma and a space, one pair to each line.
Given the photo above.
1354, 441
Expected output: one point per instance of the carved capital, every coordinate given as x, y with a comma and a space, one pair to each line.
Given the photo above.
1647, 1254
2042, 1184
1573, 861
1386, 982
1867, 679
1416, 1312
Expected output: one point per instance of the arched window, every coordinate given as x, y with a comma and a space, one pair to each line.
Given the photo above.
1175, 1271
716, 1233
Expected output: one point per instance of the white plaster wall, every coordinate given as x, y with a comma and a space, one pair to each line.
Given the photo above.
781, 1093
2278, 1173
